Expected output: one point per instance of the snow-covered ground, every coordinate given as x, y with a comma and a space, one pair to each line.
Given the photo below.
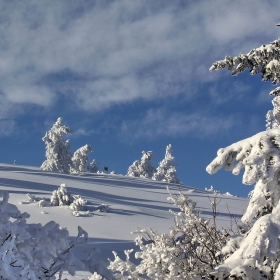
134, 203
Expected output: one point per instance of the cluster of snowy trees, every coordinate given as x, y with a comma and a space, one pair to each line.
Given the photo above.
58, 152
165, 172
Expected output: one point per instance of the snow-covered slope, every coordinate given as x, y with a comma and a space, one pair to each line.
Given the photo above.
133, 203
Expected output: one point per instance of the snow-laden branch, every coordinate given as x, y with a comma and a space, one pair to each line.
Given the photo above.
259, 155
264, 59
258, 255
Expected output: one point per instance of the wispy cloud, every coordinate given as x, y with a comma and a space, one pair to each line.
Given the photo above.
156, 123
119, 51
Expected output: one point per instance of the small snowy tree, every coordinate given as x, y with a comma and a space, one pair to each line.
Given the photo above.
93, 167
167, 169
58, 151
142, 168
190, 251
257, 255
80, 159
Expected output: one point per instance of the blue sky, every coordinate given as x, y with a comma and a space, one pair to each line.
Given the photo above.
128, 76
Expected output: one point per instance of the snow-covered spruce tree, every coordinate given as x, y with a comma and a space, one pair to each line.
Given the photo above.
142, 168
80, 159
190, 251
166, 170
258, 254
58, 151
93, 167
33, 251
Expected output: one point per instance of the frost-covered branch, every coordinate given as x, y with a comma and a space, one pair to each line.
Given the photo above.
264, 60
259, 155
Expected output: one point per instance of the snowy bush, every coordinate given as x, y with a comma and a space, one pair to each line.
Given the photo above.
58, 152
61, 196
33, 251
80, 159
166, 171
78, 203
142, 168
190, 251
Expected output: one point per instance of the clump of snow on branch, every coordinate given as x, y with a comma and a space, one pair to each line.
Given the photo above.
273, 116
166, 170
190, 251
58, 151
33, 251
142, 168
80, 159
264, 60
259, 155
258, 254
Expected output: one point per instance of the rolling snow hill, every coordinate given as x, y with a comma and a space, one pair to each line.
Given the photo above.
134, 203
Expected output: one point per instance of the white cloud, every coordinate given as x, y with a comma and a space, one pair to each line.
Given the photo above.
160, 122
120, 50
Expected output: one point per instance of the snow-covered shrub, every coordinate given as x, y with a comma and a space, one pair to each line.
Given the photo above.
93, 167
61, 196
78, 203
58, 152
33, 251
166, 170
190, 251
142, 168
80, 159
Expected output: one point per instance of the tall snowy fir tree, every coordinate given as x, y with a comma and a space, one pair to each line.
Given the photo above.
166, 170
58, 150
258, 254
142, 168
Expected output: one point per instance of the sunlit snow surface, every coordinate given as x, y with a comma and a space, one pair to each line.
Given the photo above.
133, 203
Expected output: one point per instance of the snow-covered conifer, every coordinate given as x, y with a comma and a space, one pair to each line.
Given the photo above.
166, 170
80, 159
257, 255
142, 168
58, 151
93, 167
